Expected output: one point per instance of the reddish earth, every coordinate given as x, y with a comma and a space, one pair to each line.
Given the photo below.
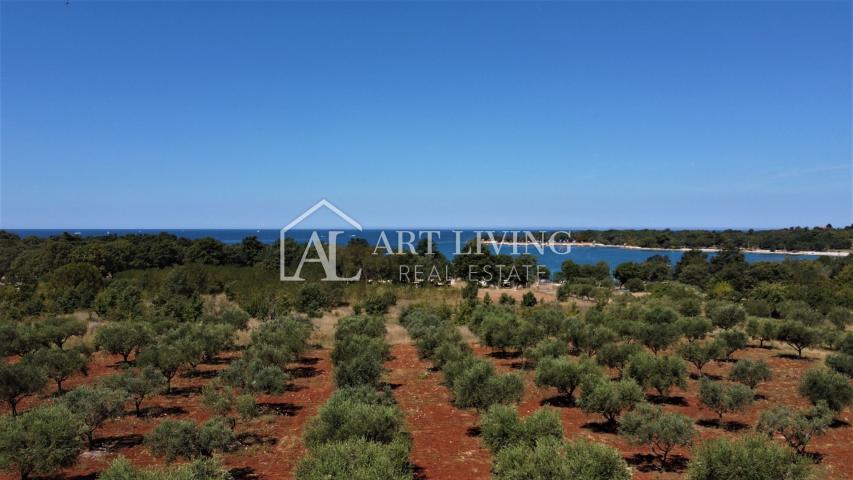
272, 443
443, 445
832, 450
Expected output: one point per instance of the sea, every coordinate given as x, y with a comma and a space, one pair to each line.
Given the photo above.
445, 242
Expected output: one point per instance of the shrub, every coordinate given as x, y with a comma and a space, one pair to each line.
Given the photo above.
528, 300
754, 457
378, 303
361, 368
198, 469
660, 373
824, 385
94, 405
120, 300
174, 439
796, 428
123, 338
797, 335
41, 440
724, 398
610, 398
552, 459
356, 459
366, 325
635, 285
501, 427
841, 363
498, 329
475, 385
700, 354
253, 375
750, 373
223, 402
565, 374
138, 384
342, 419
661, 430
20, 380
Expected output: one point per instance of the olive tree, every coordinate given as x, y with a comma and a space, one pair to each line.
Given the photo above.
763, 459
822, 385
616, 355
40, 441
553, 458
610, 398
730, 341
356, 459
175, 439
797, 335
57, 330
797, 428
700, 354
123, 338
94, 405
253, 375
660, 373
167, 358
223, 402
750, 373
59, 365
565, 374
662, 431
20, 380
727, 315
501, 427
479, 387
725, 398
138, 384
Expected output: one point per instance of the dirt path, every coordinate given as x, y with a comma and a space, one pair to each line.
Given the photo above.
444, 447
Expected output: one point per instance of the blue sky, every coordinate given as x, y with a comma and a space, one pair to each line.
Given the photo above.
243, 114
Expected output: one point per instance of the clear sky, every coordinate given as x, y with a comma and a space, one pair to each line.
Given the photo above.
243, 114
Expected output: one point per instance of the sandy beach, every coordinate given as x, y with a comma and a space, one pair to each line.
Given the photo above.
828, 253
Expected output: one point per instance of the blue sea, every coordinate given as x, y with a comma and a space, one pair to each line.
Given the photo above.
445, 242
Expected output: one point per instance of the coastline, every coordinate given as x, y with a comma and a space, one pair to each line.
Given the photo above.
828, 253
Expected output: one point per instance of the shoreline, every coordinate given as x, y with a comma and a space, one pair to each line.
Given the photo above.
828, 253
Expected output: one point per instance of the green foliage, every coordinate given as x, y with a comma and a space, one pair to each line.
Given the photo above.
58, 330
478, 386
610, 398
366, 325
356, 459
750, 373
700, 354
548, 348
59, 365
224, 403
138, 384
20, 380
694, 328
175, 439
797, 428
797, 335
72, 287
528, 300
94, 405
566, 374
123, 338
660, 373
41, 440
553, 459
198, 469
167, 358
659, 328
821, 385
501, 427
731, 341
661, 430
723, 398
727, 315
378, 303
253, 375
120, 300
752, 457
345, 418
762, 329
616, 355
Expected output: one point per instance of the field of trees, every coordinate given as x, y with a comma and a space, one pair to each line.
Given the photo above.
147, 357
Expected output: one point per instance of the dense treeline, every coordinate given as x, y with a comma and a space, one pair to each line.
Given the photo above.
816, 239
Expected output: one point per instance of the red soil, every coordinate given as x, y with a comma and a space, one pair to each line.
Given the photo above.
274, 444
833, 449
443, 446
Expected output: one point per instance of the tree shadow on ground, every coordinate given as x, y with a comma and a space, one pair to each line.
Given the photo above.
184, 391
667, 400
85, 476
504, 355
309, 361
303, 372
792, 356
157, 411
526, 365
645, 462
118, 442
559, 401
251, 438
392, 386
473, 431
838, 423
243, 473
696, 376
602, 427
280, 408
815, 457
207, 374
418, 472
730, 426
